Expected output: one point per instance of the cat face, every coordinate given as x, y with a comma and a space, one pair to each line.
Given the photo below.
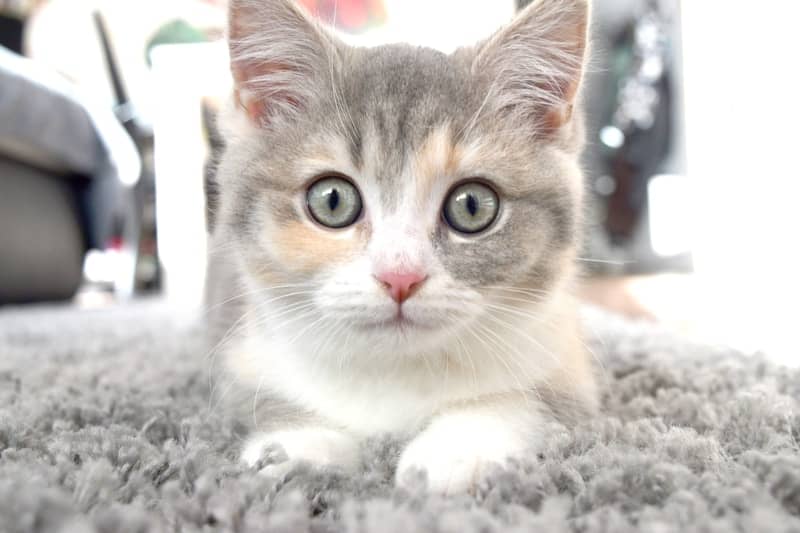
392, 197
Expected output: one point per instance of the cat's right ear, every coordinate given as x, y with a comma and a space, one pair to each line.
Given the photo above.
535, 64
280, 59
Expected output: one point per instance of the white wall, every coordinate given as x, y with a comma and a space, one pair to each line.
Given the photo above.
742, 119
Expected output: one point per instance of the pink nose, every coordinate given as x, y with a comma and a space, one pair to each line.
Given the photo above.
401, 285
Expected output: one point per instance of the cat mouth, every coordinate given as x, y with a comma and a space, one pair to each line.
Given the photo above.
398, 322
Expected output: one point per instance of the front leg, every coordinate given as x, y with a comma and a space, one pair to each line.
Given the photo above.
460, 445
315, 445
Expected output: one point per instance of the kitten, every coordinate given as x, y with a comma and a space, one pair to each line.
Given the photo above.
394, 242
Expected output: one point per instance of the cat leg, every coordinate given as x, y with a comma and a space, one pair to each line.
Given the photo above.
283, 449
460, 446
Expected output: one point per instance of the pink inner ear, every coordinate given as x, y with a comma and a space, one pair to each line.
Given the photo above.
557, 116
256, 106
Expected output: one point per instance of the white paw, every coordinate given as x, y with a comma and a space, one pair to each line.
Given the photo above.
276, 453
455, 456
445, 472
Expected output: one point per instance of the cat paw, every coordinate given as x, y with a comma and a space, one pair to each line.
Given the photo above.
443, 473
455, 462
276, 453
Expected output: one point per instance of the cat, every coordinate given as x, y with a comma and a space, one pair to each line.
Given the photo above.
394, 243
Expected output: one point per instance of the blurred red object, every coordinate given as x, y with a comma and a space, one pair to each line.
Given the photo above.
348, 15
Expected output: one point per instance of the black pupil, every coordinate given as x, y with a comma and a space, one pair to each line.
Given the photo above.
472, 204
333, 200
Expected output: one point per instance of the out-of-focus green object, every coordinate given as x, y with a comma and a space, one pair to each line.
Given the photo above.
175, 32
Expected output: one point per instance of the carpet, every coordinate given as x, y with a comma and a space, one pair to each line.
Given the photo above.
106, 426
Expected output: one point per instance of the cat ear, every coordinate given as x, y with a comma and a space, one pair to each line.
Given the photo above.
280, 58
534, 65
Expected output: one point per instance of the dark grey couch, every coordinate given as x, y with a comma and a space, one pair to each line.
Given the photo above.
63, 162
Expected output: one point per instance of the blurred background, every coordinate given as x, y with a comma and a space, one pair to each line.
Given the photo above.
107, 123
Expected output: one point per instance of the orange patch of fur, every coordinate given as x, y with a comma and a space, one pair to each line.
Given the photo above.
306, 249
575, 375
438, 157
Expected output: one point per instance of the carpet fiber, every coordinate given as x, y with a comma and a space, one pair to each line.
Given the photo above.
105, 425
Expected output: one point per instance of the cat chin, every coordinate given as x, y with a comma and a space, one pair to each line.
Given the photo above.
395, 342
398, 327
406, 337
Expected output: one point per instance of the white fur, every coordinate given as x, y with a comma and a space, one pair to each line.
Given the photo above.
462, 445
319, 446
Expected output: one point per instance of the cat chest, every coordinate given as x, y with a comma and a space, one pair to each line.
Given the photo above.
365, 406
367, 402
362, 403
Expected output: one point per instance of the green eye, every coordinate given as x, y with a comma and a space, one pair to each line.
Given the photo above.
333, 202
471, 207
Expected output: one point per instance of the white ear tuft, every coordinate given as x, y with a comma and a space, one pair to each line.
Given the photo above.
280, 58
535, 64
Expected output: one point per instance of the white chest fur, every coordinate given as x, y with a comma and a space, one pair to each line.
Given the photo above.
390, 396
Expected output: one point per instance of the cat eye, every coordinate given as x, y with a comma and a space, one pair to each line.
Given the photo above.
471, 207
334, 202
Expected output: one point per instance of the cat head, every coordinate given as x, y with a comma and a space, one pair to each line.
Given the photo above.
392, 196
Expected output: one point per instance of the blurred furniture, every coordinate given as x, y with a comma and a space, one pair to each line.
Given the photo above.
140, 235
65, 168
635, 140
13, 15
11, 32
635, 150
42, 239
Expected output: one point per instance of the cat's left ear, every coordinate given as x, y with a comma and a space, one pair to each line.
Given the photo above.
281, 59
533, 66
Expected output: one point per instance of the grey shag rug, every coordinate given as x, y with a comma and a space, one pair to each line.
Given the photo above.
105, 425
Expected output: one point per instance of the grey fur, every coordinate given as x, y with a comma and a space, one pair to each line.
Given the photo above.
402, 93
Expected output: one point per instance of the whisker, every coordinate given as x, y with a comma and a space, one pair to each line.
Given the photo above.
548, 324
605, 261
519, 330
255, 400
528, 301
235, 328
503, 361
251, 292
240, 324
519, 290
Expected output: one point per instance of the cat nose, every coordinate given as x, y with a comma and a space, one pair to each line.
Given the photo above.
401, 285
